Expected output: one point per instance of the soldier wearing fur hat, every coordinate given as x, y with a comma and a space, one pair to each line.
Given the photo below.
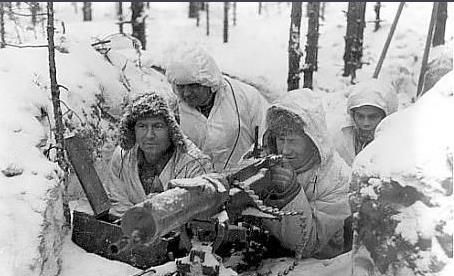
152, 151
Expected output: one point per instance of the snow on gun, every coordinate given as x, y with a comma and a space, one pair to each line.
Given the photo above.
200, 197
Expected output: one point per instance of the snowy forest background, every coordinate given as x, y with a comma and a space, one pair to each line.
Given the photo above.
98, 70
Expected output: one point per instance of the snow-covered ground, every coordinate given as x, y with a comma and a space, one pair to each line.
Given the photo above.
256, 52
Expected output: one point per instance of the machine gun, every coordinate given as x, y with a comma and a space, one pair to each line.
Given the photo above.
146, 235
209, 209
197, 199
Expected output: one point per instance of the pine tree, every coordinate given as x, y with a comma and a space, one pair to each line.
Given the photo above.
74, 4
440, 25
322, 10
312, 43
138, 22
234, 13
207, 7
193, 9
120, 16
198, 14
294, 51
226, 22
58, 116
377, 16
2, 25
354, 38
87, 11
34, 8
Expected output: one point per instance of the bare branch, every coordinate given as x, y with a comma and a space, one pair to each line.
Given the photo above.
73, 112
100, 42
61, 86
23, 14
26, 46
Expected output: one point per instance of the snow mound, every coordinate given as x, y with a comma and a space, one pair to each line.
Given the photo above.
30, 188
402, 189
422, 139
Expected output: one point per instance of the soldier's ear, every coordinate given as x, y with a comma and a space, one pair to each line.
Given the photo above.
269, 142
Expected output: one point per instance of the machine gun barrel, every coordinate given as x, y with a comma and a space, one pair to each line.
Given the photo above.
122, 245
171, 209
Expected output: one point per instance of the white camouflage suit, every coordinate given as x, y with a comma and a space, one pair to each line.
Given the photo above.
217, 134
323, 199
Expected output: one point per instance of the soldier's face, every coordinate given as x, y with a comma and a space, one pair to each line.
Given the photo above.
152, 135
295, 148
194, 94
367, 117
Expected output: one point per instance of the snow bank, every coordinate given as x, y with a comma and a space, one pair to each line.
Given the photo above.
402, 188
76, 261
30, 188
340, 265
31, 233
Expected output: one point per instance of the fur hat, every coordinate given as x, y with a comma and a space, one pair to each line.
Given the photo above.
281, 120
148, 104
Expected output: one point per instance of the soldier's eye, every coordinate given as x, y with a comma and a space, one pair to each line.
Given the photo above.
159, 125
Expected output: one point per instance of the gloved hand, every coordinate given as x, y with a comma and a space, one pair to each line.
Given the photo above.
284, 187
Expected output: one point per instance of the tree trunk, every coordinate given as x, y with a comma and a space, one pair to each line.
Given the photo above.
55, 92
354, 38
425, 55
87, 11
34, 7
138, 22
312, 43
193, 8
198, 14
226, 22
74, 4
440, 25
2, 25
322, 11
260, 8
207, 7
294, 51
377, 16
120, 16
234, 13
9, 5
